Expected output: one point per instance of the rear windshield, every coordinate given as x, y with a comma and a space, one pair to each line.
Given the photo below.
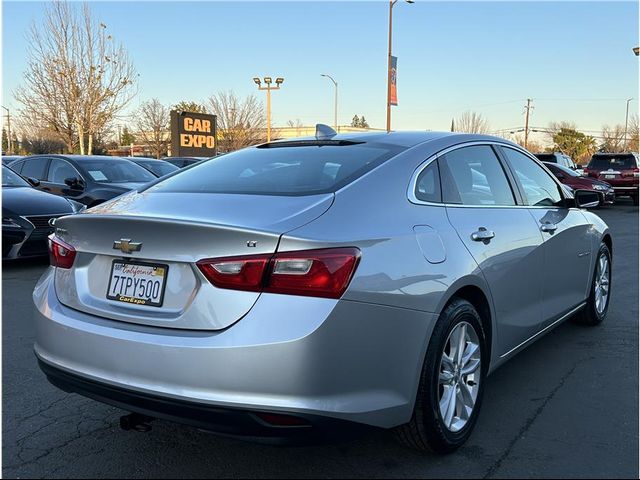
546, 157
160, 168
615, 162
288, 170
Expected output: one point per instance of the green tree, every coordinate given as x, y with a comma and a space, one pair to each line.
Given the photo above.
187, 106
5, 141
574, 143
359, 122
127, 138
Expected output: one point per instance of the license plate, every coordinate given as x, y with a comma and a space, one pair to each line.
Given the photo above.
609, 177
137, 283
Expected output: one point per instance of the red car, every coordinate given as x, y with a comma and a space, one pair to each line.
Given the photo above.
576, 181
621, 170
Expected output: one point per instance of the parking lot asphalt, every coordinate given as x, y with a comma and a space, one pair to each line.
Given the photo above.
565, 407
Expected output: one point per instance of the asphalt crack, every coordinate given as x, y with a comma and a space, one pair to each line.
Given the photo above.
530, 421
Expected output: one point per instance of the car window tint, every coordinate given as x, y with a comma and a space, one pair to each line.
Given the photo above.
474, 176
59, 170
35, 168
17, 166
282, 170
539, 187
428, 184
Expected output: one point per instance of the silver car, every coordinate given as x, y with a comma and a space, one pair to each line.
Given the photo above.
319, 285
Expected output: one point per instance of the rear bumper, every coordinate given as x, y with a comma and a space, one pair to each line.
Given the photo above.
342, 360
626, 191
225, 421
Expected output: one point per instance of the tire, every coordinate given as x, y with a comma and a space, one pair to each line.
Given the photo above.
427, 429
594, 313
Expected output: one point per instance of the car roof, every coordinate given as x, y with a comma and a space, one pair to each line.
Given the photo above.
403, 139
75, 157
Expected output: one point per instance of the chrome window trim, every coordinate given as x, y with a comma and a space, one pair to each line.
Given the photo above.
413, 183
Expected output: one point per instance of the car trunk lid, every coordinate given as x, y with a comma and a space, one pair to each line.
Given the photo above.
166, 234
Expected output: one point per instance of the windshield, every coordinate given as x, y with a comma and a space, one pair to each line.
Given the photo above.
12, 179
546, 157
282, 170
564, 170
615, 162
115, 170
159, 168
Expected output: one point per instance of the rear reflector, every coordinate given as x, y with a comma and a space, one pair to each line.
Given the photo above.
317, 273
61, 254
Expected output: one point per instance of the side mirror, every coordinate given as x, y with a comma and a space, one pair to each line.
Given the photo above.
586, 198
33, 181
74, 183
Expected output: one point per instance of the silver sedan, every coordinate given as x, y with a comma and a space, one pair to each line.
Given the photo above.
315, 285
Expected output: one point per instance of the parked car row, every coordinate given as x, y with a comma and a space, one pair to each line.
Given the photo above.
38, 188
610, 174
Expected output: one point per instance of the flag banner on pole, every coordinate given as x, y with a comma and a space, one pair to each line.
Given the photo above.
394, 92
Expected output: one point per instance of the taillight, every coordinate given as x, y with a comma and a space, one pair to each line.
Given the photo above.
61, 254
237, 273
316, 273
631, 172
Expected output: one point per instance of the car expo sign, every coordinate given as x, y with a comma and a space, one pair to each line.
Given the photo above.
193, 134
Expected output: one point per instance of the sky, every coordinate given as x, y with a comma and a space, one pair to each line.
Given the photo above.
573, 59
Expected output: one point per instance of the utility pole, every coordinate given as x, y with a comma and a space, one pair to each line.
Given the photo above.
9, 142
626, 124
526, 122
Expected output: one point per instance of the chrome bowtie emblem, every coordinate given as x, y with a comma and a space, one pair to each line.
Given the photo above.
126, 246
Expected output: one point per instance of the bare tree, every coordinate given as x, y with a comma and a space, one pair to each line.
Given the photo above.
77, 77
152, 123
297, 125
240, 123
471, 122
613, 139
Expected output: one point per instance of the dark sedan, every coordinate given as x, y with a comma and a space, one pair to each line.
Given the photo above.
159, 168
25, 216
576, 181
90, 180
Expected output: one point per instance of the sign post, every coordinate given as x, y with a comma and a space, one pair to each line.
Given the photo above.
193, 134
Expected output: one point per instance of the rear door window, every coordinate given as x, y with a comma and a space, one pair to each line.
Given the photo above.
60, 170
474, 176
35, 168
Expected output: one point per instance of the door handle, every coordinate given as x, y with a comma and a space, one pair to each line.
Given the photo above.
482, 235
549, 227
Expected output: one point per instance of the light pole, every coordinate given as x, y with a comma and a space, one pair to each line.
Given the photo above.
268, 88
10, 147
391, 4
626, 123
335, 101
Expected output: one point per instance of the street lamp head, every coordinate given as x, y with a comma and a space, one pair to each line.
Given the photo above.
636, 50
410, 1
267, 80
279, 80
256, 80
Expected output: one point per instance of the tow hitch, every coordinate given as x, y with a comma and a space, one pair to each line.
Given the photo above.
136, 421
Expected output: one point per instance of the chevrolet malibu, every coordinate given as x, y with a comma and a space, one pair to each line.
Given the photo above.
322, 284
